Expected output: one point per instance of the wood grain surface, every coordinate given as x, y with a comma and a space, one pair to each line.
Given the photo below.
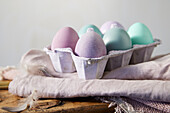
74, 105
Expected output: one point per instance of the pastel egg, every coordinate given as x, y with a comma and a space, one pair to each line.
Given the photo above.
90, 45
140, 34
110, 24
83, 30
66, 37
117, 39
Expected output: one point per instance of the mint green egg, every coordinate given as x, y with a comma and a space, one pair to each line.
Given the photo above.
140, 34
84, 29
117, 39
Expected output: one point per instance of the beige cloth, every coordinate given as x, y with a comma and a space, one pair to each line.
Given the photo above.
69, 85
147, 81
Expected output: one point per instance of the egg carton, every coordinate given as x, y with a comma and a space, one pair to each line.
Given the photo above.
118, 59
142, 53
61, 59
64, 60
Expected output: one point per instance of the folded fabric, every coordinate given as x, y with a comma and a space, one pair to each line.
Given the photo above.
37, 62
49, 87
148, 81
8, 72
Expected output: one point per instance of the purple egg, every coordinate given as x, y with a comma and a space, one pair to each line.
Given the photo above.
91, 45
110, 24
65, 38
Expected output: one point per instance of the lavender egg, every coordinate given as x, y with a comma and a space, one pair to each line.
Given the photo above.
90, 45
110, 24
66, 37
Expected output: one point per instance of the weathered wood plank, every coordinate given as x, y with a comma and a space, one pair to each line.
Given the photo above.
4, 84
77, 105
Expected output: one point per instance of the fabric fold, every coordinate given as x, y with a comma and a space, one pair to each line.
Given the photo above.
49, 87
149, 80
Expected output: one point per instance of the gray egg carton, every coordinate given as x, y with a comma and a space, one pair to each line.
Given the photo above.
64, 60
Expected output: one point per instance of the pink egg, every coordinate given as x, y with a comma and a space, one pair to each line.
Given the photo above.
66, 37
110, 24
90, 45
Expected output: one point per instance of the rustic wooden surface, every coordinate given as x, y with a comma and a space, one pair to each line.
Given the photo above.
76, 105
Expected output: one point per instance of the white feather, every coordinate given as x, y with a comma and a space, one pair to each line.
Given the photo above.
29, 101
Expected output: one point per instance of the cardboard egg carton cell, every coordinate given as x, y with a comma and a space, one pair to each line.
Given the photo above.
61, 59
142, 53
118, 59
90, 68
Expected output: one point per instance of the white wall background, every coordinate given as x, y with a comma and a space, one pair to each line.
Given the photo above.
26, 24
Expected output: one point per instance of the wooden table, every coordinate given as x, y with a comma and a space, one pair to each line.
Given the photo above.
74, 105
